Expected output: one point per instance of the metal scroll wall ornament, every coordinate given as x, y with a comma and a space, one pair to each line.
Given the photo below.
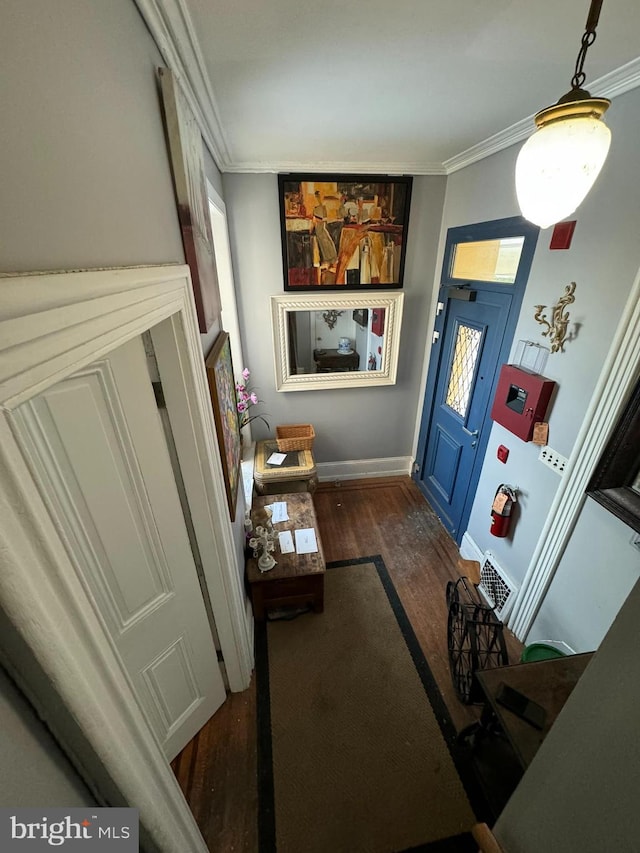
557, 328
330, 317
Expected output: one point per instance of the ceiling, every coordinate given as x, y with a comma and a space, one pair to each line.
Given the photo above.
413, 86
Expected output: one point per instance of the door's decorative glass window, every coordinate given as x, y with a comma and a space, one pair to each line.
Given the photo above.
463, 365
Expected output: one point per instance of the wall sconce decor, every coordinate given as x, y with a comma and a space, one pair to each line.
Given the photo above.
559, 164
557, 328
330, 317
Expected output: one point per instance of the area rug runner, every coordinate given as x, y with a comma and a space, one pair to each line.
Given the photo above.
356, 750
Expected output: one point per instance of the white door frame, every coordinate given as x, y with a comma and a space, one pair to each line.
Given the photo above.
224, 268
52, 325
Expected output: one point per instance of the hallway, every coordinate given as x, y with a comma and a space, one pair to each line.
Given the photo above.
217, 770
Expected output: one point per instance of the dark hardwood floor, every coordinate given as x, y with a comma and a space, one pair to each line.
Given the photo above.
388, 516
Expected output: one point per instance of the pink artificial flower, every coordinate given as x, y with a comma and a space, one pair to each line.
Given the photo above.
245, 398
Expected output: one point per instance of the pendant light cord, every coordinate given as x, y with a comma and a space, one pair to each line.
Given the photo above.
577, 81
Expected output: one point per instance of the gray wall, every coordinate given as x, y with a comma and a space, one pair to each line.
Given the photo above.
362, 423
34, 770
603, 259
580, 794
86, 182
84, 171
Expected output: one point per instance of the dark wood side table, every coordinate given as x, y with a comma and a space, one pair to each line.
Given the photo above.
330, 360
296, 579
547, 682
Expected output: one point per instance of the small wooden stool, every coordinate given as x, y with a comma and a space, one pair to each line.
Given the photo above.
296, 474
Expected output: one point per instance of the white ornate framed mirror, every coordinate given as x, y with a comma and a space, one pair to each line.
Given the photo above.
334, 340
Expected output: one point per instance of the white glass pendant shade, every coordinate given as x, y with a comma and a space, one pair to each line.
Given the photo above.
557, 167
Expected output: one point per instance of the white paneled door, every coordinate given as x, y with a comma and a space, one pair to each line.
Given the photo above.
99, 452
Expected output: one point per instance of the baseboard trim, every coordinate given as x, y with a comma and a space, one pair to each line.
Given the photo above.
356, 469
469, 550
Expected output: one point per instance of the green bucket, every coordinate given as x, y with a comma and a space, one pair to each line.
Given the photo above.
540, 651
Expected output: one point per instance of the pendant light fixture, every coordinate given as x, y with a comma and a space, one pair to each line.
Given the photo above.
559, 164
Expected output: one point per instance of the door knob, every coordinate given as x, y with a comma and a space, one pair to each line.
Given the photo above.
473, 434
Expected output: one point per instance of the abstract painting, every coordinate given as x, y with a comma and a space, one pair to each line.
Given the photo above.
343, 232
223, 400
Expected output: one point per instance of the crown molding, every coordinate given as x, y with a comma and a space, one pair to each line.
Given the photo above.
617, 82
172, 29
344, 168
516, 133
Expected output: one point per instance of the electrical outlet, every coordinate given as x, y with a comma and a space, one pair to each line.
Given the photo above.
553, 459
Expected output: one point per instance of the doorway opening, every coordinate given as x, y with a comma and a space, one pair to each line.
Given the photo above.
484, 274
54, 326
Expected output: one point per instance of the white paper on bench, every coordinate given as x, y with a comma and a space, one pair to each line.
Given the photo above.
306, 541
286, 542
279, 511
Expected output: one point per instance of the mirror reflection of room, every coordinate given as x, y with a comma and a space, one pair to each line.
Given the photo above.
335, 340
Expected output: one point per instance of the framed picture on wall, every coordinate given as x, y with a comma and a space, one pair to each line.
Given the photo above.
615, 483
343, 232
223, 400
361, 316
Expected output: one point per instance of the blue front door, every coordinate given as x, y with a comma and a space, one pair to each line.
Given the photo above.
469, 344
472, 339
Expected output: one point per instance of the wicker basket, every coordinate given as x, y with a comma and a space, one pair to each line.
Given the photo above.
295, 437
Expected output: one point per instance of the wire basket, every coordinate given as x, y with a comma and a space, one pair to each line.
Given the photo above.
475, 639
295, 437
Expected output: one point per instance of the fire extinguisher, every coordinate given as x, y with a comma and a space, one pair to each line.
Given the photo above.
503, 502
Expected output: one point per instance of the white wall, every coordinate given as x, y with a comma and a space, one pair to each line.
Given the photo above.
597, 571
603, 259
212, 172
362, 423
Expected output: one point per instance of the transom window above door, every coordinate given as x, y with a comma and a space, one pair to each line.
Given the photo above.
487, 260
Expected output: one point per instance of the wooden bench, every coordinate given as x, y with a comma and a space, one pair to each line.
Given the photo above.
296, 579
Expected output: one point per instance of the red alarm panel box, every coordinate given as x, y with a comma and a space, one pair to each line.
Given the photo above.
521, 400
377, 321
